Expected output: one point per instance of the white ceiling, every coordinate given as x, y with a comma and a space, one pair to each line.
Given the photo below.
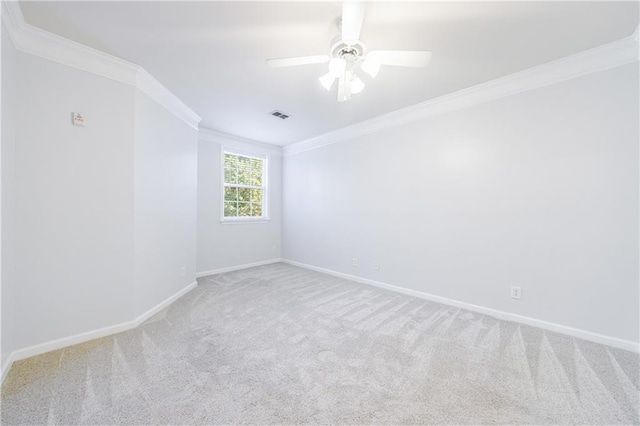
212, 54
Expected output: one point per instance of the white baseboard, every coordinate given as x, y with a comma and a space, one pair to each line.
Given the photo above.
160, 306
6, 365
558, 328
63, 342
235, 268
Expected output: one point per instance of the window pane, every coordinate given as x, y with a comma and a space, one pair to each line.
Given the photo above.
256, 165
244, 170
256, 209
256, 172
244, 194
230, 175
230, 209
230, 161
256, 179
244, 209
230, 194
256, 196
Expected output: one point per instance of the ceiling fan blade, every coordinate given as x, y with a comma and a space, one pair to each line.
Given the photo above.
401, 58
352, 16
300, 60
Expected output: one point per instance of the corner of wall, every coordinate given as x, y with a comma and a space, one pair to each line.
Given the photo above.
93, 66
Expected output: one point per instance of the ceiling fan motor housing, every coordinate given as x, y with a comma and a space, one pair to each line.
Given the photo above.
347, 48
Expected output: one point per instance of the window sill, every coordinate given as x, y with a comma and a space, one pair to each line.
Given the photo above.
241, 221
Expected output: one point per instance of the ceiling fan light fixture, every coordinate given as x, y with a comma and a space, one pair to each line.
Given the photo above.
327, 80
371, 66
337, 67
344, 89
347, 60
357, 85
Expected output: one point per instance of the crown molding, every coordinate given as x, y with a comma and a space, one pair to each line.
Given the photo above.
163, 96
610, 55
38, 42
209, 135
35, 41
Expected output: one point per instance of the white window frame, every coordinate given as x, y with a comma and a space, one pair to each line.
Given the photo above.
265, 187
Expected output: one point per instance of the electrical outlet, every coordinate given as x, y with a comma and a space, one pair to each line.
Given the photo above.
376, 266
354, 262
183, 271
516, 292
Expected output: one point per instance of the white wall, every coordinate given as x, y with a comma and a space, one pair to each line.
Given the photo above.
166, 167
538, 190
8, 291
223, 245
73, 202
105, 215
97, 221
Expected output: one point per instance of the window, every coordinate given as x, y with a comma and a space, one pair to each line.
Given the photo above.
245, 187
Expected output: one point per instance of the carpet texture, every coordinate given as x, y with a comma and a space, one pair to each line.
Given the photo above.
280, 344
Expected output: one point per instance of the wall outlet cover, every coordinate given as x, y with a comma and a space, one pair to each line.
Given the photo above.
516, 292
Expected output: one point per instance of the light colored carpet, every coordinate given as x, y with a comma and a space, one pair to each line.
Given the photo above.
280, 344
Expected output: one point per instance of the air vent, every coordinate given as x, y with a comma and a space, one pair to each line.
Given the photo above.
279, 114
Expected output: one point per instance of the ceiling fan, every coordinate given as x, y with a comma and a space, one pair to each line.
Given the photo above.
348, 56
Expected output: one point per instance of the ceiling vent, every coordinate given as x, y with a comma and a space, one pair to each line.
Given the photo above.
279, 114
